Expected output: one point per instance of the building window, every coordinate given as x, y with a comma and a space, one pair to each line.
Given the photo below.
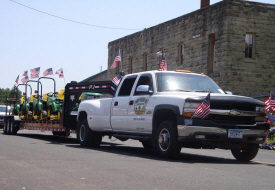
181, 53
130, 65
250, 46
145, 63
211, 61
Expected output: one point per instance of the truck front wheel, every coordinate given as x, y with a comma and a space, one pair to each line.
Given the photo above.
87, 137
167, 142
246, 154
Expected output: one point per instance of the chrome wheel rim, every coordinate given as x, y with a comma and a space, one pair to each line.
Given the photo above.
82, 133
11, 126
164, 139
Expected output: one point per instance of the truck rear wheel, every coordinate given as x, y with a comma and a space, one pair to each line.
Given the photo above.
246, 154
13, 131
167, 141
8, 126
87, 137
5, 127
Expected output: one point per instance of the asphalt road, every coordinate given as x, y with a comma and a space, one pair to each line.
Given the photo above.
37, 160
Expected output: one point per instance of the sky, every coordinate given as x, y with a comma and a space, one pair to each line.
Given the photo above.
74, 35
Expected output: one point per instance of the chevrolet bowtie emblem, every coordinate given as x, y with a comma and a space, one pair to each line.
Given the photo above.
234, 113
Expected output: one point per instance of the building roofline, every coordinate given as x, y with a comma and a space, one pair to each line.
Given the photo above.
91, 77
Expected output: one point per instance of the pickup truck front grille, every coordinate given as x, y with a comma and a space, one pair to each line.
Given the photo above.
232, 119
232, 107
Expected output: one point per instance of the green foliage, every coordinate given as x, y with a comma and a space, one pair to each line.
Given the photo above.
8, 93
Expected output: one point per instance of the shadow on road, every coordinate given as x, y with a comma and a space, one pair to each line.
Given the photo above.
122, 149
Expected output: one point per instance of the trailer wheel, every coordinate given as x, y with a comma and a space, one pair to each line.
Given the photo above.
5, 127
8, 126
167, 141
247, 154
87, 137
13, 131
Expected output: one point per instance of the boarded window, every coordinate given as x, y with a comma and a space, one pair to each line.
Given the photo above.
145, 63
211, 61
181, 53
130, 65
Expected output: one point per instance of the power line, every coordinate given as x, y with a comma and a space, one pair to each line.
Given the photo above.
106, 27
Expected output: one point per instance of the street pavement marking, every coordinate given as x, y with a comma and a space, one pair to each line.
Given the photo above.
270, 163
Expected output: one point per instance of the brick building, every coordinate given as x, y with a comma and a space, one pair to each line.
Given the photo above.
232, 41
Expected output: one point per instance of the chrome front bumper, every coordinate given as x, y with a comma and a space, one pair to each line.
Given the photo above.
218, 134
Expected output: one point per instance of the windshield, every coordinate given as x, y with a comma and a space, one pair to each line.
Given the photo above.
186, 82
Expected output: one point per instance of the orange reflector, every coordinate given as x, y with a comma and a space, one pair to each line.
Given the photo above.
183, 71
187, 114
56, 93
35, 91
14, 96
24, 93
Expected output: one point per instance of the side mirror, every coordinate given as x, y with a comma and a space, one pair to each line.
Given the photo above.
228, 92
143, 89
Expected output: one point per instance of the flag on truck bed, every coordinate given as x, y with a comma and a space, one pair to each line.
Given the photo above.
16, 81
25, 79
60, 73
117, 79
35, 72
24, 73
203, 110
117, 59
48, 72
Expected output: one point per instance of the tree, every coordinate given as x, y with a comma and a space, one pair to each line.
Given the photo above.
9, 93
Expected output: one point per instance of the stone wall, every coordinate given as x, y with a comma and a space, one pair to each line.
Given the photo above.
229, 20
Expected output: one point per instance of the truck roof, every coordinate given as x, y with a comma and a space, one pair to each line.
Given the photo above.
157, 71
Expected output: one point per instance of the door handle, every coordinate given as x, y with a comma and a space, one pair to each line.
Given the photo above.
131, 102
116, 103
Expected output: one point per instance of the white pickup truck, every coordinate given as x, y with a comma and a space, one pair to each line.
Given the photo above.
157, 108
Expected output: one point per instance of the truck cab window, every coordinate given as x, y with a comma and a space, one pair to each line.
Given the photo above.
125, 89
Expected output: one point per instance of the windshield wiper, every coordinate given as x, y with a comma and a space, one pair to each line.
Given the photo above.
203, 91
177, 90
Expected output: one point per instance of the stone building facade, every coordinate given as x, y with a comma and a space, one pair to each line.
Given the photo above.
232, 41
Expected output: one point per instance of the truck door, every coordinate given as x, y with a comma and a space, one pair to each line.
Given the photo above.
140, 110
120, 105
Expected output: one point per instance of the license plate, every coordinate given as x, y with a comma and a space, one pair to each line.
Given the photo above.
236, 134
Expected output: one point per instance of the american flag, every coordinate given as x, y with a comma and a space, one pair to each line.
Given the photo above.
203, 110
160, 52
16, 81
163, 65
117, 59
35, 72
60, 73
24, 73
25, 79
48, 72
270, 102
117, 79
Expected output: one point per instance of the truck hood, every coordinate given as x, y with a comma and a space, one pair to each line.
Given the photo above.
214, 98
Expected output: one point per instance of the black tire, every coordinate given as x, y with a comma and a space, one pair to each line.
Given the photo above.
147, 144
13, 130
8, 126
167, 141
247, 154
5, 127
87, 137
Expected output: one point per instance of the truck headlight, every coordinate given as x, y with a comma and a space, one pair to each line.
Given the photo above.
260, 109
189, 108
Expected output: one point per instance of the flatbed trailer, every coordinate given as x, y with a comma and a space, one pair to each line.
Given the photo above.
68, 119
